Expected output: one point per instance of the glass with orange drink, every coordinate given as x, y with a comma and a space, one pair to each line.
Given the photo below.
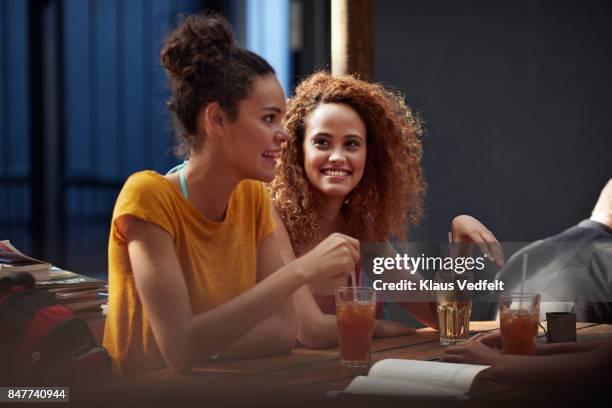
519, 318
355, 310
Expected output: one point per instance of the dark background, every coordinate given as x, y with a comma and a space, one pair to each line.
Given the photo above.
516, 97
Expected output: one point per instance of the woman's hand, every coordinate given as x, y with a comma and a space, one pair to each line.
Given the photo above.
493, 340
335, 256
472, 352
468, 229
389, 328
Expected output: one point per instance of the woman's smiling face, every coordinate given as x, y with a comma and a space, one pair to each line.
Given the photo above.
334, 149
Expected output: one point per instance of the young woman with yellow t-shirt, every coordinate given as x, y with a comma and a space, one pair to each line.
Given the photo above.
194, 271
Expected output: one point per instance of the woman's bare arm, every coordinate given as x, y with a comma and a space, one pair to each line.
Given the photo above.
315, 328
185, 339
276, 334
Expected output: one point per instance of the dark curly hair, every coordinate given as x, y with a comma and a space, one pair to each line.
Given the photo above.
392, 186
204, 65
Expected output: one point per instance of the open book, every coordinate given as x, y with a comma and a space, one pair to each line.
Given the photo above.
416, 379
12, 261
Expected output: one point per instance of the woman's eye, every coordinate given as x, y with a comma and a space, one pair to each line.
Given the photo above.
268, 118
352, 143
321, 142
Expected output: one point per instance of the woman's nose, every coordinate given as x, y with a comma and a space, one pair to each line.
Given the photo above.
281, 136
337, 157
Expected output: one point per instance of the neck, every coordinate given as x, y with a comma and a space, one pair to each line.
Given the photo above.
210, 183
602, 218
329, 212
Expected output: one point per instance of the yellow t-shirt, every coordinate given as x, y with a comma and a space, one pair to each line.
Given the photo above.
218, 259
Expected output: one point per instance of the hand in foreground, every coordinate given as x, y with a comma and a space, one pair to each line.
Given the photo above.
335, 256
472, 352
388, 328
493, 340
468, 229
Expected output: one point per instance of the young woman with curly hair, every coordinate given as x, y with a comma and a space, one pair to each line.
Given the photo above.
351, 164
194, 270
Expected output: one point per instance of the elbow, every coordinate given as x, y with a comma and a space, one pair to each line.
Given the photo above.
287, 344
284, 340
179, 353
315, 339
313, 342
288, 337
180, 362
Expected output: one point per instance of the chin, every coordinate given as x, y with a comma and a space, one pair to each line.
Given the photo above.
332, 192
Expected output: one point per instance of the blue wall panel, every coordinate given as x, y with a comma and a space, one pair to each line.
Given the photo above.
134, 86
78, 87
18, 90
4, 139
105, 161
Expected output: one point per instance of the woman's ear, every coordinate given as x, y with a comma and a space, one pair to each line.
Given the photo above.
212, 119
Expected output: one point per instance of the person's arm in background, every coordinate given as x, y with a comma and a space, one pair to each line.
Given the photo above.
315, 328
568, 368
464, 228
494, 341
184, 339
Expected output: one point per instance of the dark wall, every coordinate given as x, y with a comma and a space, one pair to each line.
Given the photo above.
516, 98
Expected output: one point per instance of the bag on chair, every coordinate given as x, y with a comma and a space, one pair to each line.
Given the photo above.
42, 342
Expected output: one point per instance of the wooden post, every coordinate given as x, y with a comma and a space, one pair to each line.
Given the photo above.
351, 44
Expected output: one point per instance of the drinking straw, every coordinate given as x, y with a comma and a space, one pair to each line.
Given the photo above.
523, 280
354, 284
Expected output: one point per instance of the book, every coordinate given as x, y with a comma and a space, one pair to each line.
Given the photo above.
66, 296
66, 280
13, 261
415, 378
94, 304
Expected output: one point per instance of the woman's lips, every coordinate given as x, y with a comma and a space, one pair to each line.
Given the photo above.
336, 175
335, 172
272, 156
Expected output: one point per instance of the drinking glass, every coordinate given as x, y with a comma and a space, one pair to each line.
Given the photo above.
454, 306
355, 310
519, 317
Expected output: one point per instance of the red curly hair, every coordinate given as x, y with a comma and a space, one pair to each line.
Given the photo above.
392, 186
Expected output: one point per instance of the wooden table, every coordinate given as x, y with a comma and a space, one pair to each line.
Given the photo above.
304, 376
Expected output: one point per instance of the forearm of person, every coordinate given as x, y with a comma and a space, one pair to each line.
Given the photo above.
567, 369
275, 334
558, 348
185, 339
316, 329
245, 314
424, 312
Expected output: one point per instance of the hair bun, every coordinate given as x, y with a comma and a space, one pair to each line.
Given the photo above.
199, 44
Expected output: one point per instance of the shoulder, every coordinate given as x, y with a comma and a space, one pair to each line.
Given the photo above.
252, 192
146, 184
145, 190
251, 187
145, 180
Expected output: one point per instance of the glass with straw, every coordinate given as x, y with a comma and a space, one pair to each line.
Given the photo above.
355, 311
519, 318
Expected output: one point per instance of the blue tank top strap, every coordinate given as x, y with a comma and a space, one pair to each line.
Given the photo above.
181, 171
183, 183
